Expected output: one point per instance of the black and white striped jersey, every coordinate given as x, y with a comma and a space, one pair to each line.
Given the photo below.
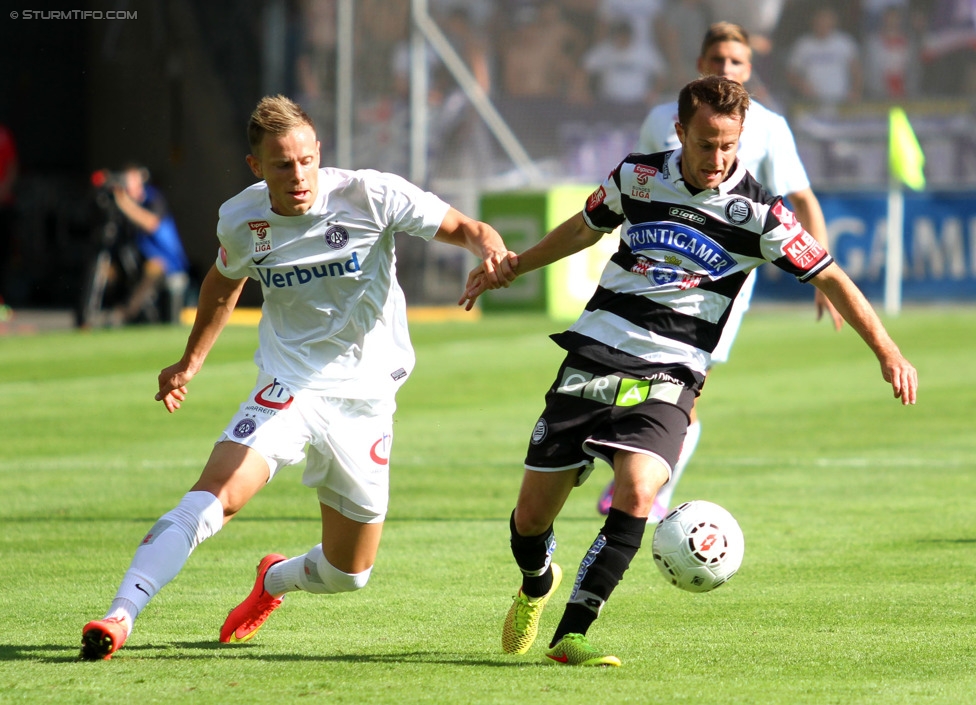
665, 295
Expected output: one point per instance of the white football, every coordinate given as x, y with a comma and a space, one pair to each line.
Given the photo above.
698, 546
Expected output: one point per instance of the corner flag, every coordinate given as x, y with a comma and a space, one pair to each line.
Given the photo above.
905, 162
905, 156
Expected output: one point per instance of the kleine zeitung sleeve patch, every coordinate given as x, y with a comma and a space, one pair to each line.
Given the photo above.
803, 251
596, 198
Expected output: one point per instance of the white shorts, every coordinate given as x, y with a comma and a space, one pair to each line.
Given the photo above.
739, 307
348, 444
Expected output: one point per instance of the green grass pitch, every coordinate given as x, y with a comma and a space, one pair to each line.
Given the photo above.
857, 583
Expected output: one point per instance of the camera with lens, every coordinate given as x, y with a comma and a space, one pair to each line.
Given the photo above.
105, 182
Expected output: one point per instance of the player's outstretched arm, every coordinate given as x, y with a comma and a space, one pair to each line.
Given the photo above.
218, 297
485, 243
810, 214
562, 241
858, 312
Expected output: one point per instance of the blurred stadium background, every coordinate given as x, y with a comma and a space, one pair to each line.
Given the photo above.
484, 102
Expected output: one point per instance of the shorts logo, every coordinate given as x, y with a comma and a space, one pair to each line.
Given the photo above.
379, 452
578, 383
244, 428
274, 396
618, 391
336, 237
540, 432
738, 211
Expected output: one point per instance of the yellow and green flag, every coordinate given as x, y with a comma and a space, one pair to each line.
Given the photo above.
905, 157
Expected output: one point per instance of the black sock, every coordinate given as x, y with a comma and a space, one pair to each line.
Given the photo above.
601, 570
532, 554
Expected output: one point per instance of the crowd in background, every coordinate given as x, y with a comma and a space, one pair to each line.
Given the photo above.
572, 79
545, 61
638, 51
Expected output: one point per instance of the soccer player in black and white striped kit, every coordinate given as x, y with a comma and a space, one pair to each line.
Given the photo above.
693, 223
768, 151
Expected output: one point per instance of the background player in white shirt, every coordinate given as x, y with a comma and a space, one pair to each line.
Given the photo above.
333, 351
768, 151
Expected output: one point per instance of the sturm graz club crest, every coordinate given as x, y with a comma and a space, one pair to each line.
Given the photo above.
336, 237
738, 211
540, 432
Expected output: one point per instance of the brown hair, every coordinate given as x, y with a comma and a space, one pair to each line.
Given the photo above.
275, 115
723, 96
724, 32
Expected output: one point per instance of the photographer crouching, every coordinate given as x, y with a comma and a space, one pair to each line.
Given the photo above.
164, 270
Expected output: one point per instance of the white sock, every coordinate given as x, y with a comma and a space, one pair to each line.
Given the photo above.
164, 551
687, 450
285, 576
312, 572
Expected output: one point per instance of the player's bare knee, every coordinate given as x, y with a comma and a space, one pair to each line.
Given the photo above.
529, 523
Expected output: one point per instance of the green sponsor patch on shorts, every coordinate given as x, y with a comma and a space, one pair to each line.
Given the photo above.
615, 390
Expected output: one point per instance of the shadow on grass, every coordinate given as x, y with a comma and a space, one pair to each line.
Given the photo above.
59, 653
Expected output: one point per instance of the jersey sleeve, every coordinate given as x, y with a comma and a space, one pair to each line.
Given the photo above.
234, 251
604, 209
401, 206
791, 248
657, 131
786, 173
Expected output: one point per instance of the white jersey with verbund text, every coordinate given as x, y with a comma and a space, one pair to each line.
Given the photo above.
766, 148
334, 317
664, 297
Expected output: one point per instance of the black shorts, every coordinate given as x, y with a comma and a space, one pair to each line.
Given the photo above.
592, 411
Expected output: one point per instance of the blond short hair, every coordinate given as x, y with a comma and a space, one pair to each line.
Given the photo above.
275, 115
725, 32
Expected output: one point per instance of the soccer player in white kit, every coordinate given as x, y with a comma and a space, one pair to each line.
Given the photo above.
768, 151
333, 351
